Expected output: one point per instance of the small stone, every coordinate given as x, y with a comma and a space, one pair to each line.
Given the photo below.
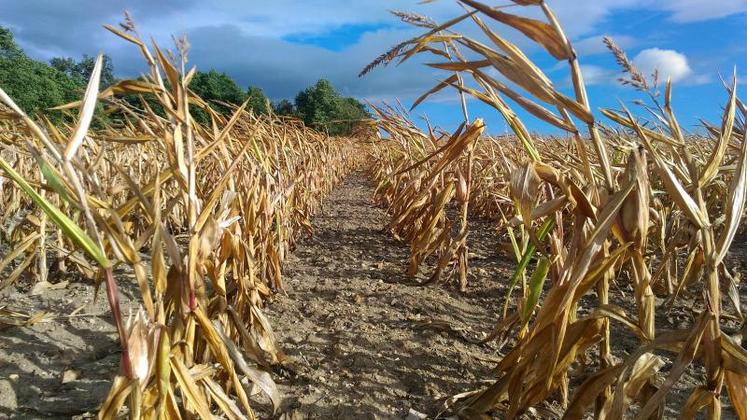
296, 339
339, 350
70, 375
315, 339
13, 376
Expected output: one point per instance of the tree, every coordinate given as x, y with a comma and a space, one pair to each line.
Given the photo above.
316, 104
285, 108
321, 107
82, 69
8, 47
215, 87
64, 64
350, 112
257, 100
33, 85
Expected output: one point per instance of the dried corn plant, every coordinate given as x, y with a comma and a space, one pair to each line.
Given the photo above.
642, 204
202, 215
417, 182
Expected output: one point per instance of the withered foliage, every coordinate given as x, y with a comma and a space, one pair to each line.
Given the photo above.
202, 215
642, 205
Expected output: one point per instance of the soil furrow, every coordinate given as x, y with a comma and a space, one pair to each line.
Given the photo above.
366, 341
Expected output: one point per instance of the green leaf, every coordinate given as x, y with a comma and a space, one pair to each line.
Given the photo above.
71, 230
535, 287
52, 177
546, 227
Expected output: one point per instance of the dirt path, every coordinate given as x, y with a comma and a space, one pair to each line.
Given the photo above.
364, 341
359, 331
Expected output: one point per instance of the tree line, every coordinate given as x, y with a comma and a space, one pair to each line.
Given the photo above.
37, 86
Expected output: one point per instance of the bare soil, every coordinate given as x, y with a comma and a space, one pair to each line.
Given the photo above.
363, 339
367, 341
61, 367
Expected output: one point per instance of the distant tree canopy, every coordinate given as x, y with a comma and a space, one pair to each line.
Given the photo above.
284, 107
81, 70
8, 47
33, 85
321, 106
215, 87
257, 100
36, 86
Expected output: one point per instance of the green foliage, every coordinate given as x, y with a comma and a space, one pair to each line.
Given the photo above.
257, 100
322, 107
284, 108
140, 101
215, 87
8, 47
33, 85
37, 86
350, 112
316, 104
68, 227
81, 70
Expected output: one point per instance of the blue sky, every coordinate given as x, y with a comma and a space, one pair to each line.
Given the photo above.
285, 45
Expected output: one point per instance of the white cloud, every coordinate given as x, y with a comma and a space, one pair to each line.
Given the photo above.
699, 10
669, 63
594, 44
597, 75
248, 40
681, 11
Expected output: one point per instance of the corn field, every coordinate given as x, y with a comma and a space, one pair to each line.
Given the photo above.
217, 208
205, 215
637, 204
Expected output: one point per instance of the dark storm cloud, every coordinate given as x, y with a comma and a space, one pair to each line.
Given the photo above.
246, 39
283, 68
47, 27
